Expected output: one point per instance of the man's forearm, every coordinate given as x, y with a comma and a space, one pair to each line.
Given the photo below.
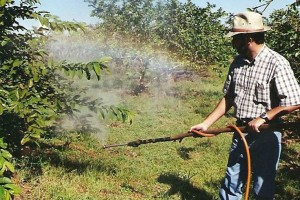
280, 111
223, 106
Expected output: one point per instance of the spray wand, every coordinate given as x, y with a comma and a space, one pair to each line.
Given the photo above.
208, 133
178, 137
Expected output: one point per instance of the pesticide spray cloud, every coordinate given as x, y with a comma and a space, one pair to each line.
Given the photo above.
132, 72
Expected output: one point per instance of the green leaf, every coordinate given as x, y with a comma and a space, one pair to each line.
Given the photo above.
35, 136
4, 42
105, 60
36, 77
88, 74
9, 166
2, 169
17, 94
3, 145
43, 20
67, 72
3, 2
2, 192
97, 70
102, 113
25, 139
13, 188
7, 195
22, 93
5, 154
5, 180
30, 83
2, 161
1, 109
72, 73
80, 73
16, 63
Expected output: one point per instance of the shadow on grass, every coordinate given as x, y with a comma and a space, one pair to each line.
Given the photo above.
184, 152
183, 187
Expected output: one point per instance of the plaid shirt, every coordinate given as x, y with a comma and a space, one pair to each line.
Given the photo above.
262, 84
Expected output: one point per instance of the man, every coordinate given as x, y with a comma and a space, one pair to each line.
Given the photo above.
261, 87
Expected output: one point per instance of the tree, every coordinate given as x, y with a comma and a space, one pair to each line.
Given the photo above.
285, 35
32, 95
190, 33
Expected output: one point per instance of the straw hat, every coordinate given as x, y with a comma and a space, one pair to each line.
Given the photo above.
247, 22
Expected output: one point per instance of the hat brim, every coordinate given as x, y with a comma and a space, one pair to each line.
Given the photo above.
230, 34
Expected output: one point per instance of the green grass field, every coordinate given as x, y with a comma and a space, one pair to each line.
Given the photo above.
75, 166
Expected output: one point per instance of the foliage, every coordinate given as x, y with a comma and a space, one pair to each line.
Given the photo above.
7, 188
285, 35
193, 33
32, 92
190, 33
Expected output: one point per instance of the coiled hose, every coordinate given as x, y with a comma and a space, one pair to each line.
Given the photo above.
235, 128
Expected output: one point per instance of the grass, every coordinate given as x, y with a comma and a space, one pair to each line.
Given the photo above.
75, 166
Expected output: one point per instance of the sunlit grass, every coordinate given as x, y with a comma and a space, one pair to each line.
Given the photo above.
75, 166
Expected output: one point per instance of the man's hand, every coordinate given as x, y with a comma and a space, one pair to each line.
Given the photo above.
199, 127
255, 124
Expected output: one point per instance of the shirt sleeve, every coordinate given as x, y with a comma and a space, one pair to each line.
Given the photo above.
227, 84
228, 88
287, 85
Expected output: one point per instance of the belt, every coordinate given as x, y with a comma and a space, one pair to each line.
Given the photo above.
245, 121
